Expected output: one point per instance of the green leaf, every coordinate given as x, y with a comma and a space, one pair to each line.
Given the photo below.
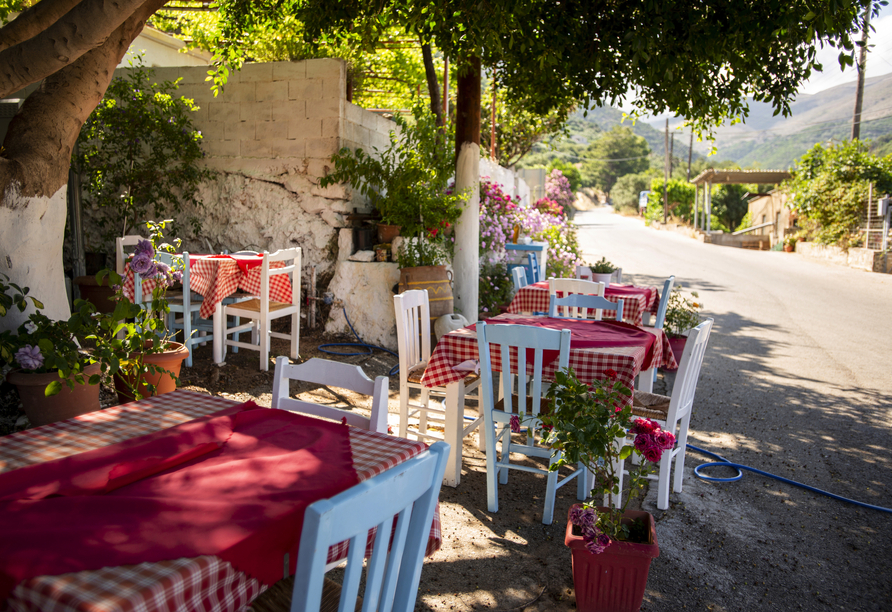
53, 388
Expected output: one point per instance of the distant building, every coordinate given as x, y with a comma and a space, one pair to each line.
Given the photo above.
771, 208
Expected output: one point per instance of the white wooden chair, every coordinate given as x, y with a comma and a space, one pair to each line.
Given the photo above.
261, 310
519, 276
332, 374
120, 244
408, 492
585, 273
570, 286
413, 336
674, 413
579, 306
525, 402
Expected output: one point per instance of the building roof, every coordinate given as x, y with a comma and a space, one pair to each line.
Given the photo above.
731, 177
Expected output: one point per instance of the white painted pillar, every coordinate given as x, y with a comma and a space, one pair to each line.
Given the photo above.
32, 230
696, 203
466, 264
708, 209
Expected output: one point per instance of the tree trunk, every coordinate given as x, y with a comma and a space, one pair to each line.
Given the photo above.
34, 169
467, 178
433, 84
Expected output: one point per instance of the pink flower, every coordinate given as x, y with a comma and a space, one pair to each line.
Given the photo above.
644, 426
652, 454
611, 373
665, 439
515, 424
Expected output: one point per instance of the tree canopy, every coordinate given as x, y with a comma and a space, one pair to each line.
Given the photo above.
616, 153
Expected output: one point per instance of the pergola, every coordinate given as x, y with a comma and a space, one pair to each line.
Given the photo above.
711, 176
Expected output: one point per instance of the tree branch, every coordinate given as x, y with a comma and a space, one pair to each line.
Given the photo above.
41, 136
34, 20
85, 27
433, 85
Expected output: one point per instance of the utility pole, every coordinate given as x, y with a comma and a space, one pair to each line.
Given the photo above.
666, 176
862, 63
690, 152
671, 151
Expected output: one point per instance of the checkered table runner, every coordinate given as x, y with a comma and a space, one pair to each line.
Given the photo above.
535, 298
590, 364
201, 583
216, 278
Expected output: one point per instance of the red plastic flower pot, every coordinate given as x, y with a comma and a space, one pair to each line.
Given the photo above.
613, 581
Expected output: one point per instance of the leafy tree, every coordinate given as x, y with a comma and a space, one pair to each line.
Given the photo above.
615, 154
697, 61
729, 206
830, 187
627, 189
517, 128
681, 200
139, 153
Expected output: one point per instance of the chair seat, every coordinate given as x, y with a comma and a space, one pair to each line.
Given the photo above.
277, 598
254, 305
650, 405
416, 373
544, 405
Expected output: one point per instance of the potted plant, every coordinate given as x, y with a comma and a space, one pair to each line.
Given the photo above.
55, 378
612, 547
790, 243
423, 265
406, 182
602, 271
133, 343
682, 314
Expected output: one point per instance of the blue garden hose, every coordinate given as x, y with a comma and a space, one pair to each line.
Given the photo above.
370, 348
737, 466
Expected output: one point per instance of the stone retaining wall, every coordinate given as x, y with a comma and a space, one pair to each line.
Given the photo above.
856, 257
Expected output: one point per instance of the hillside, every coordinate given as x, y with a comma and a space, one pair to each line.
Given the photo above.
776, 142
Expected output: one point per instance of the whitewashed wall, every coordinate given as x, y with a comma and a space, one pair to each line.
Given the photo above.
510, 180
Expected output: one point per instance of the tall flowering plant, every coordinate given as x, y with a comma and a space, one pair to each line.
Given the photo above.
594, 425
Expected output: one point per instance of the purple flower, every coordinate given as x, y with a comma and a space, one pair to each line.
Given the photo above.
144, 247
576, 515
143, 265
29, 357
515, 424
178, 276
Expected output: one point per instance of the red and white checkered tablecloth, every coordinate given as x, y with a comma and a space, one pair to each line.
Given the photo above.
218, 277
195, 584
590, 364
535, 298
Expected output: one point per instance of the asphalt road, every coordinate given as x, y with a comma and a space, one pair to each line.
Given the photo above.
797, 381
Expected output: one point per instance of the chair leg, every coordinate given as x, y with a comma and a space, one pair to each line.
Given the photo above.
492, 485
663, 489
550, 490
295, 335
264, 346
425, 401
237, 336
187, 336
506, 453
404, 410
681, 452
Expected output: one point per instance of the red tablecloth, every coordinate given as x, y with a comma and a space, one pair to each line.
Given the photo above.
199, 583
216, 277
589, 363
636, 300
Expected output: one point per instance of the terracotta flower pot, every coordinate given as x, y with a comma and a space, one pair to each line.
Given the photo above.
170, 360
386, 233
42, 410
789, 248
98, 295
438, 282
615, 579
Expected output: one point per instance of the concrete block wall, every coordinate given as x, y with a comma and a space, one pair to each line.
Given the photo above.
270, 134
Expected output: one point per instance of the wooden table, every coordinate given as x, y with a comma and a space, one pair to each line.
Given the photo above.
590, 364
638, 302
201, 583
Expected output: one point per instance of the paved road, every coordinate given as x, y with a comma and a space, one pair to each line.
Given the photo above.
797, 381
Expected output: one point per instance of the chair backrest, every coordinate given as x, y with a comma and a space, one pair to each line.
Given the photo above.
682, 399
664, 302
333, 374
584, 272
413, 329
409, 492
570, 286
525, 342
292, 259
519, 276
120, 243
579, 306
617, 275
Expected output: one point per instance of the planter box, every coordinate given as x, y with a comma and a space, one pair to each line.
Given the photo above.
613, 581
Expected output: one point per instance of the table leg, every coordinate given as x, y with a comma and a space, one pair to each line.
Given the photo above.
454, 404
645, 318
646, 380
219, 326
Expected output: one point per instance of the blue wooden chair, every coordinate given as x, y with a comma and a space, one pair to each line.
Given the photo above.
529, 260
577, 306
664, 302
527, 407
408, 491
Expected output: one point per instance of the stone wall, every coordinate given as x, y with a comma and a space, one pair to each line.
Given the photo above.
856, 257
269, 135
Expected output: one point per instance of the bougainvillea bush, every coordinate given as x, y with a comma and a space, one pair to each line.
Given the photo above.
500, 215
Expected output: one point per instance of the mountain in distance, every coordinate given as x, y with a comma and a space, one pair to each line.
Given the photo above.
773, 141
